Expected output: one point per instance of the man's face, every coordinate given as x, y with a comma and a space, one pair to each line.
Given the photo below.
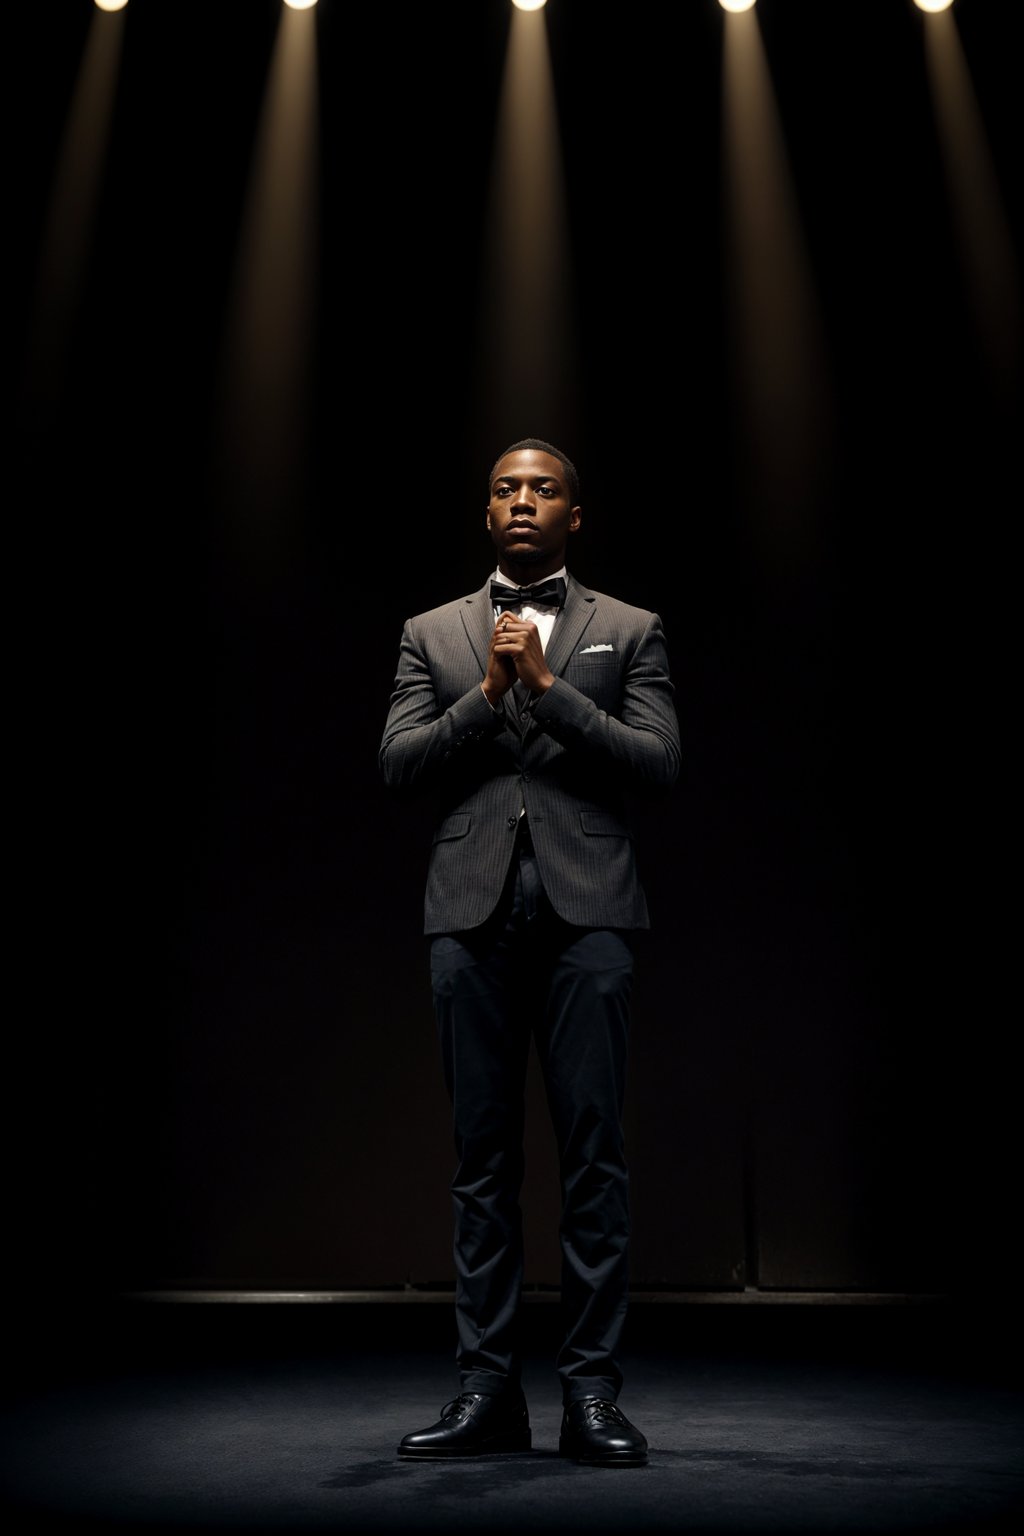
529, 516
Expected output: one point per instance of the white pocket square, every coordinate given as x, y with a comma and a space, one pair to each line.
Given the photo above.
587, 649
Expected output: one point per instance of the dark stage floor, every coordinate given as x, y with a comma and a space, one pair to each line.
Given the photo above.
285, 1417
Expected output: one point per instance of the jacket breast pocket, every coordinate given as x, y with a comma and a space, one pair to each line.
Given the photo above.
598, 674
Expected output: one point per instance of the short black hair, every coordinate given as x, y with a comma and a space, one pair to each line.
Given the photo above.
542, 447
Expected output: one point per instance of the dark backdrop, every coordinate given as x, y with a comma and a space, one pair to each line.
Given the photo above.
222, 1064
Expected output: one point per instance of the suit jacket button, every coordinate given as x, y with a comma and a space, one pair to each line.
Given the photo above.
511, 822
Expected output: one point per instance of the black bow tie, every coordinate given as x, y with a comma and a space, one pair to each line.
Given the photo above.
551, 592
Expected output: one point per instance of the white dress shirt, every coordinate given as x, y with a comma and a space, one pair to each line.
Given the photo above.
544, 616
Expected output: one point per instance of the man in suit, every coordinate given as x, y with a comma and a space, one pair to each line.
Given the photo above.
531, 709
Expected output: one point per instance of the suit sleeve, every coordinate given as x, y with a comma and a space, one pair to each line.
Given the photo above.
421, 739
641, 743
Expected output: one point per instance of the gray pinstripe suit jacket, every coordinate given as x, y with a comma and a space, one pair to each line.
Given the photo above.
607, 726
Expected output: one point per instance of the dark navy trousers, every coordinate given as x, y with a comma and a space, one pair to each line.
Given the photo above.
527, 973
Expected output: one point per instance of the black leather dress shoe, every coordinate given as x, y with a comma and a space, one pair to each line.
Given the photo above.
473, 1424
596, 1433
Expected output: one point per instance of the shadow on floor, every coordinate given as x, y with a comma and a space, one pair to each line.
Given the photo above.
236, 1417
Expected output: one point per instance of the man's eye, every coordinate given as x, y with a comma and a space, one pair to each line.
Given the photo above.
503, 490
545, 490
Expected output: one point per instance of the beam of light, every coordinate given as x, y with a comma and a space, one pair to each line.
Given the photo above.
266, 383
71, 215
781, 380
528, 5
300, 5
111, 5
933, 5
736, 5
528, 347
981, 224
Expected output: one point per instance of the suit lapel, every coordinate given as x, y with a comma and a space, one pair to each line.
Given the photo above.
478, 621
580, 605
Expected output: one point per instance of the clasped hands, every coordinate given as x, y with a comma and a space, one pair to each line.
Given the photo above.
515, 652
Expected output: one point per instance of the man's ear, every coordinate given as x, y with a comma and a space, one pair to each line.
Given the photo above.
488, 522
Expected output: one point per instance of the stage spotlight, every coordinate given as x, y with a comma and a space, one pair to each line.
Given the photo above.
933, 5
111, 5
300, 5
736, 5
265, 389
781, 376
528, 5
